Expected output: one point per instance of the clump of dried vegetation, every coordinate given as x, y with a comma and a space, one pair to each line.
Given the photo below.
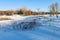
1, 19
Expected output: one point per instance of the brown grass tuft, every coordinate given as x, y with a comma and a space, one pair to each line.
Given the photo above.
1, 19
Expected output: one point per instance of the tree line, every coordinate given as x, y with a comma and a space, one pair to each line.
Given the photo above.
53, 9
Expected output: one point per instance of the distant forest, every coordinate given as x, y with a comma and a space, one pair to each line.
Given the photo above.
53, 9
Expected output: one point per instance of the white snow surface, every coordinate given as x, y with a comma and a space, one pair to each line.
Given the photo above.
46, 28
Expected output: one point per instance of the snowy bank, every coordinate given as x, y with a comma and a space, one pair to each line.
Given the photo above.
43, 28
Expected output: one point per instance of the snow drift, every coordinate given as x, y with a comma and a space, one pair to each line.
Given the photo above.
31, 28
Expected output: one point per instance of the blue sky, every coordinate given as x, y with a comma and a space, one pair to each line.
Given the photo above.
29, 4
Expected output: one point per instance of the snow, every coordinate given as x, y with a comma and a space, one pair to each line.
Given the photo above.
14, 17
45, 28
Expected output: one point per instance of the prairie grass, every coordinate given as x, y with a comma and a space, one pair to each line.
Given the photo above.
1, 19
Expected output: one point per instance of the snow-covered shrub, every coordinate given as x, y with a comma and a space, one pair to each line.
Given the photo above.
29, 25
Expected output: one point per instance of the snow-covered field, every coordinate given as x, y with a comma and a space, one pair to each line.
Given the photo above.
22, 28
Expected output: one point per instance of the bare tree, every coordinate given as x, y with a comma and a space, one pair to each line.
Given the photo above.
24, 9
51, 9
54, 8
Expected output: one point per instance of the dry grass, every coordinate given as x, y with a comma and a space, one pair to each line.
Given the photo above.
1, 19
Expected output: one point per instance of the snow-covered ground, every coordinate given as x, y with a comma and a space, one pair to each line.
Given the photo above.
22, 28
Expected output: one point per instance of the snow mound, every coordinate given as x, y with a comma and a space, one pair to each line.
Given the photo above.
31, 28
